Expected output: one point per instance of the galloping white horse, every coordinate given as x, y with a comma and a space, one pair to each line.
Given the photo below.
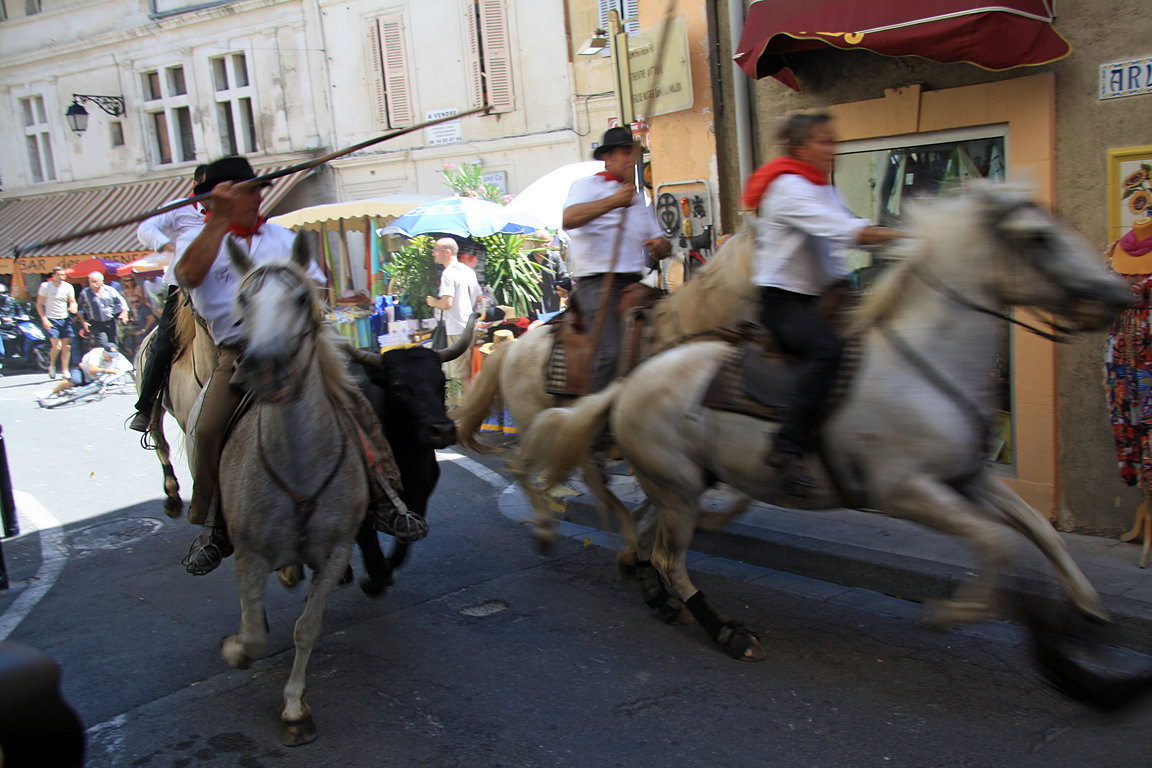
293, 486
907, 438
718, 295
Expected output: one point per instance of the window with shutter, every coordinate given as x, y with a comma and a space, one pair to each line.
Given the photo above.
391, 86
497, 55
473, 61
629, 11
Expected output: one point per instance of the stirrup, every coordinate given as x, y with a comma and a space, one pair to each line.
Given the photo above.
205, 557
406, 527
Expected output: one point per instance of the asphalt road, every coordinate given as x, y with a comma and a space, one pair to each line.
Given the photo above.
486, 653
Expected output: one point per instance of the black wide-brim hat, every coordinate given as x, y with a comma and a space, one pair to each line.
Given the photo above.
226, 169
618, 136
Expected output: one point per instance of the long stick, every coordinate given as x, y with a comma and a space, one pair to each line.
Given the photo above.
610, 275
21, 250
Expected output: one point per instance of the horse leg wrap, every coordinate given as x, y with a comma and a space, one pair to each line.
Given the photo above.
738, 641
655, 595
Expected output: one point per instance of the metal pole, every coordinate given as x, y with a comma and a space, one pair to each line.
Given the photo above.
8, 524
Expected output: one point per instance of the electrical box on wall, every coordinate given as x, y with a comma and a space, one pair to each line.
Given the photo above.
684, 210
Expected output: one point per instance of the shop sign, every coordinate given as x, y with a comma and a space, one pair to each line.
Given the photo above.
1126, 78
671, 77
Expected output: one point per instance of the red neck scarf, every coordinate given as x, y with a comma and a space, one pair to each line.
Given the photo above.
242, 231
611, 177
766, 174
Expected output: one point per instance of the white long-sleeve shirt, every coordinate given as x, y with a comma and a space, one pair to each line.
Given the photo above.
170, 227
801, 233
590, 248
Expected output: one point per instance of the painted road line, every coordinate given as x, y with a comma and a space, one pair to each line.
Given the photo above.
53, 556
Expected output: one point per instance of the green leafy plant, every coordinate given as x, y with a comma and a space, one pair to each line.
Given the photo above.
413, 276
466, 180
512, 273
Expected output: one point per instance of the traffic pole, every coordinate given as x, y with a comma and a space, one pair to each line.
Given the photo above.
8, 523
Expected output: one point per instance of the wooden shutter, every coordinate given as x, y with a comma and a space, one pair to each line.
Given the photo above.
397, 86
497, 55
475, 71
631, 10
376, 72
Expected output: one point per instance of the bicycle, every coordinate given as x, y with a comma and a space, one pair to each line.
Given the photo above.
124, 382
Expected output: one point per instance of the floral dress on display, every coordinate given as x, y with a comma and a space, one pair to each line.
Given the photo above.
1128, 382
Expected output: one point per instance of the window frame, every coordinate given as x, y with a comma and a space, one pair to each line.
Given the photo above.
160, 108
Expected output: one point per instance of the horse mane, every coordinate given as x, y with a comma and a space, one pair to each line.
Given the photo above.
717, 295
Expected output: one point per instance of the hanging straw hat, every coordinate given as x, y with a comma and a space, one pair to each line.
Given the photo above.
1134, 264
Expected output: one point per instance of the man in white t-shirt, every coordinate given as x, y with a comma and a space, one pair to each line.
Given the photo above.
459, 292
601, 212
56, 303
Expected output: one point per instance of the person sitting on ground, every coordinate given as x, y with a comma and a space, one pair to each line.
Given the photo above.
803, 227
98, 363
204, 268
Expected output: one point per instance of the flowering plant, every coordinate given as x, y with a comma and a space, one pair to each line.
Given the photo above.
467, 180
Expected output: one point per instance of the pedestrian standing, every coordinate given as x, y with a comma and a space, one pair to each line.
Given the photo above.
459, 292
56, 303
100, 307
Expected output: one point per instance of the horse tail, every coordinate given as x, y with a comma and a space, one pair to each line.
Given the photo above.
470, 414
561, 439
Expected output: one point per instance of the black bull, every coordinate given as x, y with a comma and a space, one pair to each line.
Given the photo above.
406, 390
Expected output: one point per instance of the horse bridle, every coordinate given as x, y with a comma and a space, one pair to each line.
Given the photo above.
934, 282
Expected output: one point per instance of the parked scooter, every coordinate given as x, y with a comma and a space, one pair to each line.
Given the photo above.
25, 343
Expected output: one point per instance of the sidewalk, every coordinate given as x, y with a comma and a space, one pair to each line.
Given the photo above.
882, 554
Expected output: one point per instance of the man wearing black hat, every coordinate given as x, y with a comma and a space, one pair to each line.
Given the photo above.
602, 213
205, 269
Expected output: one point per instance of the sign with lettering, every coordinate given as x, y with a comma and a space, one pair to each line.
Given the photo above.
674, 85
1126, 78
444, 133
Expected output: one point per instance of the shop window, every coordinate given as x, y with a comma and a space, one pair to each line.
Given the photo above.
165, 94
489, 54
392, 87
235, 114
878, 179
37, 141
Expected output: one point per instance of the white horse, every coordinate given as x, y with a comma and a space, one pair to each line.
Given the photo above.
293, 486
908, 438
718, 295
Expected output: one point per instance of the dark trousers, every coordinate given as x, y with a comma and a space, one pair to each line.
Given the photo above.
103, 332
794, 319
589, 292
163, 349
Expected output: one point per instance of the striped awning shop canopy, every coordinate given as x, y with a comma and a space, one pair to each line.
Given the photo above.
992, 35
32, 219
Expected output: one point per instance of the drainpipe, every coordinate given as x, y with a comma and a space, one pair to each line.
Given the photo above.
742, 116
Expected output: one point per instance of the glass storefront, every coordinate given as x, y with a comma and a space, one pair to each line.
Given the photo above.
879, 177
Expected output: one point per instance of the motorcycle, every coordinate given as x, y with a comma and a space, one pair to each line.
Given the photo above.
25, 343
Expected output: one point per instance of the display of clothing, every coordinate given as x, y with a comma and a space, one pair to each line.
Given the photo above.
1128, 382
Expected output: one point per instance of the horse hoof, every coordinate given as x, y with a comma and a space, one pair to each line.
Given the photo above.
233, 652
290, 575
173, 508
298, 732
743, 645
943, 614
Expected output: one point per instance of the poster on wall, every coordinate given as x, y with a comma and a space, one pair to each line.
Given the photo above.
1129, 190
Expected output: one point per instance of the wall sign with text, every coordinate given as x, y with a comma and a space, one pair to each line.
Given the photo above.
1126, 78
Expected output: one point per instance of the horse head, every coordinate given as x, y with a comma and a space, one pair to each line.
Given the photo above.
279, 310
994, 247
1045, 264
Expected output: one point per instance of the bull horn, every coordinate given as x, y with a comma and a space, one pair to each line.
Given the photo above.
461, 344
364, 358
